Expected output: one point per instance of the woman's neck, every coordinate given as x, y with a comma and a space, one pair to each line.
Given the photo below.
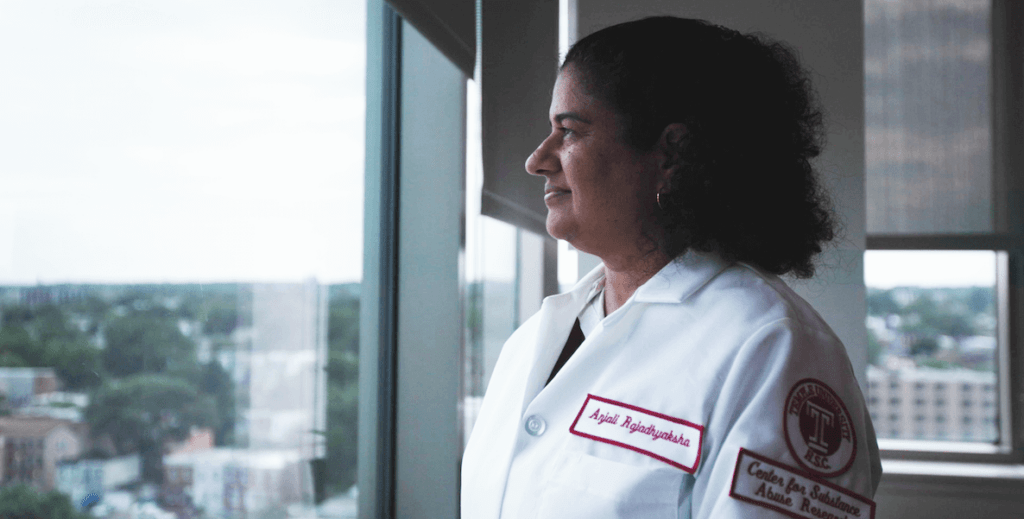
622, 279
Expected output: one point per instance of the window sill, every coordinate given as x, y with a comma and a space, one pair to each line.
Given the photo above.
944, 478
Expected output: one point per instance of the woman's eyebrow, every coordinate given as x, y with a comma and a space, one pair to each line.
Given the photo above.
570, 115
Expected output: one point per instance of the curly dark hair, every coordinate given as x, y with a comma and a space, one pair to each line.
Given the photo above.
744, 186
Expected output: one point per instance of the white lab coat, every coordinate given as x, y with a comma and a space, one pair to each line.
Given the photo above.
714, 344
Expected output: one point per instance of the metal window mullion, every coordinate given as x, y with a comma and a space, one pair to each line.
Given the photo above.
389, 217
993, 241
1007, 28
379, 300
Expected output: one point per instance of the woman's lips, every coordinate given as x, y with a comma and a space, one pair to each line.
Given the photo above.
550, 195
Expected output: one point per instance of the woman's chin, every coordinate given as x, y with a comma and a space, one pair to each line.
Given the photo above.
558, 228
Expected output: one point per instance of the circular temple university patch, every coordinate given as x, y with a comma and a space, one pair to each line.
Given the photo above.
818, 429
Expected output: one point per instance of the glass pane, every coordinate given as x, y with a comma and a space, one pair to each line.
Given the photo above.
927, 66
490, 278
932, 344
181, 256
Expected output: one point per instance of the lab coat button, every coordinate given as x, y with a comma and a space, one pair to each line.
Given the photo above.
535, 425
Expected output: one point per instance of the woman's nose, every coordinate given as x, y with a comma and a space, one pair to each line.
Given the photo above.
542, 161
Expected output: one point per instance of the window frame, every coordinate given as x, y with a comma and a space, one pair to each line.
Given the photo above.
410, 325
1007, 109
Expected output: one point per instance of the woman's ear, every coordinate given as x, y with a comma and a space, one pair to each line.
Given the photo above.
673, 140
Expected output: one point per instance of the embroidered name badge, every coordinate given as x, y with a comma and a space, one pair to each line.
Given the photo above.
818, 429
777, 486
672, 440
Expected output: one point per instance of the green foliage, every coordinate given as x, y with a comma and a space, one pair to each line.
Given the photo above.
221, 319
980, 300
5, 408
927, 315
927, 362
881, 303
874, 349
42, 337
343, 325
342, 390
146, 342
217, 307
76, 362
926, 345
17, 348
140, 412
22, 502
216, 382
17, 314
50, 323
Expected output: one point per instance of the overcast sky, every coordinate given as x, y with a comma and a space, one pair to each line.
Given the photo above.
888, 269
152, 141
197, 140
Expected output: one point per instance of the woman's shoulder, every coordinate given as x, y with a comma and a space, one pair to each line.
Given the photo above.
755, 298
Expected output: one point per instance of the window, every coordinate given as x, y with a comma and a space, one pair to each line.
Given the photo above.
928, 328
181, 241
941, 235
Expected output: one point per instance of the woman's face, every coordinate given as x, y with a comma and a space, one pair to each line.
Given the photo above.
599, 190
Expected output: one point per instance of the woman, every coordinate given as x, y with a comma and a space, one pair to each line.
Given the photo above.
681, 378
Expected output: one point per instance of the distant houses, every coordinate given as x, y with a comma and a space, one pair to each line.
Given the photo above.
20, 385
31, 448
230, 482
95, 478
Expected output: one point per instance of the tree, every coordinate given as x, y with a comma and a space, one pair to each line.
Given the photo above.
874, 349
146, 342
143, 411
881, 303
22, 502
221, 319
43, 338
49, 323
980, 299
76, 363
926, 345
216, 382
18, 348
343, 324
342, 391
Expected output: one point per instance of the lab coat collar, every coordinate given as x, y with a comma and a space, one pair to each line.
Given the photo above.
681, 278
675, 281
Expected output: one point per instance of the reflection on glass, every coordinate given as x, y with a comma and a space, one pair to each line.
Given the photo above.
490, 277
490, 306
180, 257
932, 344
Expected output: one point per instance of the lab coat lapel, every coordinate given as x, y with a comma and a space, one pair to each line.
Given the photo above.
557, 316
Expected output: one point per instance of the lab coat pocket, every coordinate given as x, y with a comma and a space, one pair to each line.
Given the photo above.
584, 486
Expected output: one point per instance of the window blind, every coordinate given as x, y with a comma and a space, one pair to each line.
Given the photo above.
927, 95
